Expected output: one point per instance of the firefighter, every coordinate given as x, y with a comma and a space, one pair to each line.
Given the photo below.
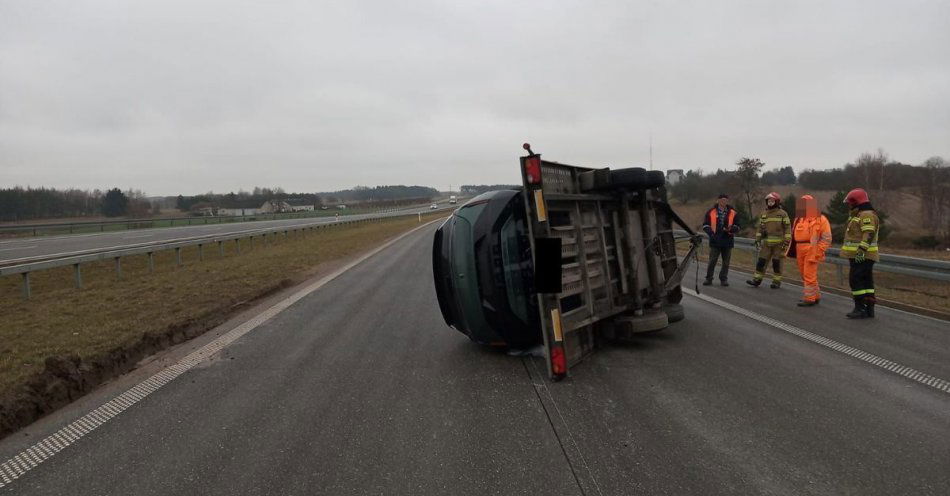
721, 227
860, 248
812, 237
775, 230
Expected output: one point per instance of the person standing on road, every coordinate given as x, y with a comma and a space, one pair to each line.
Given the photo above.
812, 237
771, 241
860, 248
720, 225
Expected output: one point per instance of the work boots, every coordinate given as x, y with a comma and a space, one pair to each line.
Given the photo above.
754, 282
869, 302
775, 284
860, 309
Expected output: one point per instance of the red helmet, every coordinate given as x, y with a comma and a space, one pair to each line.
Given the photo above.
773, 196
856, 197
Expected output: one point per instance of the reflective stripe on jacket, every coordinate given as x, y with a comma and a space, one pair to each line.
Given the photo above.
862, 232
774, 227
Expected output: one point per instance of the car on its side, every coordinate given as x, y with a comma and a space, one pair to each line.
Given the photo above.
433, 206
487, 292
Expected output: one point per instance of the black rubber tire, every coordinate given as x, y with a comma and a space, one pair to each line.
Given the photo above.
631, 177
674, 312
655, 179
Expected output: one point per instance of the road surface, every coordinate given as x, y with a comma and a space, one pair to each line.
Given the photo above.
359, 388
12, 250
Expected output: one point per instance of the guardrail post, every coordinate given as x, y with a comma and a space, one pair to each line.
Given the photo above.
840, 274
26, 285
78, 272
201, 252
221, 248
237, 245
118, 268
250, 239
151, 262
178, 256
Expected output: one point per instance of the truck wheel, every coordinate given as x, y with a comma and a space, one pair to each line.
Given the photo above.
674, 312
655, 179
650, 321
632, 177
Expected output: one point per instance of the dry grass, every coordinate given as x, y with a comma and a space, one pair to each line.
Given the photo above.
919, 292
109, 313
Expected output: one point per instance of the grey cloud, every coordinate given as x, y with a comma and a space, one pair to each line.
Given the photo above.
176, 96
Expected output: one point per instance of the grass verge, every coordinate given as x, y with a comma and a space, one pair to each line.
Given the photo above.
908, 290
86, 336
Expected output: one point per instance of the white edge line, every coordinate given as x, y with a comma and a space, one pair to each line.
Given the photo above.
878, 361
843, 297
97, 417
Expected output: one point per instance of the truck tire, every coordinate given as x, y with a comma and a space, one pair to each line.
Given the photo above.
655, 179
674, 312
632, 178
650, 321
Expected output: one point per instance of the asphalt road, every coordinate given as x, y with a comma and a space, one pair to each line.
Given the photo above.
359, 388
12, 250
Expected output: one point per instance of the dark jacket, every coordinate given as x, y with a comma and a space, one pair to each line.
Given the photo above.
725, 237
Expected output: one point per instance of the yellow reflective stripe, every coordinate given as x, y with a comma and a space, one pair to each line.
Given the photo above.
772, 219
862, 292
868, 228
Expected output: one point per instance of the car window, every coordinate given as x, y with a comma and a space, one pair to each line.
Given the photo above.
464, 270
513, 252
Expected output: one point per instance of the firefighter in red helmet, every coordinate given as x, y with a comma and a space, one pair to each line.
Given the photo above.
772, 238
860, 248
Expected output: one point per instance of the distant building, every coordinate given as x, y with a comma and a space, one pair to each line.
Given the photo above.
238, 211
674, 176
300, 205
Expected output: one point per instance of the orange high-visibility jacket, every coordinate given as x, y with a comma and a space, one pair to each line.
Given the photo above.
812, 236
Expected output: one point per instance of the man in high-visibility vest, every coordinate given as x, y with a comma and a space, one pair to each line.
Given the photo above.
720, 225
860, 248
811, 238
771, 240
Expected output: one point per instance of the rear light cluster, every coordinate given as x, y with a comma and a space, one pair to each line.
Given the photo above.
532, 169
558, 361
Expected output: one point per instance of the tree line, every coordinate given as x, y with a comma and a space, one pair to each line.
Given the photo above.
874, 172
20, 203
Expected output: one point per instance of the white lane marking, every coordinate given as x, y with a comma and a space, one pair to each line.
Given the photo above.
138, 236
825, 294
18, 248
17, 466
890, 366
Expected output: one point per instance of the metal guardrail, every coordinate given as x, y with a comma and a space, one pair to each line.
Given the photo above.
149, 249
910, 266
71, 227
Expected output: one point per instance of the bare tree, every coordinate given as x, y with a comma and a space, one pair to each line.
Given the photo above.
870, 165
748, 176
935, 197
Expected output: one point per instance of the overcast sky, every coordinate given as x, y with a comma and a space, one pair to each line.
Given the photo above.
174, 96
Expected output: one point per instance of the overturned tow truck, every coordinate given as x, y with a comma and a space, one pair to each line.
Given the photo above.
575, 254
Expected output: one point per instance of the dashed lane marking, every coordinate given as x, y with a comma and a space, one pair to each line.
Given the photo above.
890, 366
29, 459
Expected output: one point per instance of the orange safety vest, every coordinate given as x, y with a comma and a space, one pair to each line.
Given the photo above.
714, 219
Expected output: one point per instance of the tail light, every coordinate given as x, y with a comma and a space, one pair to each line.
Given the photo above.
558, 361
532, 169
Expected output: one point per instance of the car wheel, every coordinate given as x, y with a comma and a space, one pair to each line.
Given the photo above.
632, 177
674, 312
655, 179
